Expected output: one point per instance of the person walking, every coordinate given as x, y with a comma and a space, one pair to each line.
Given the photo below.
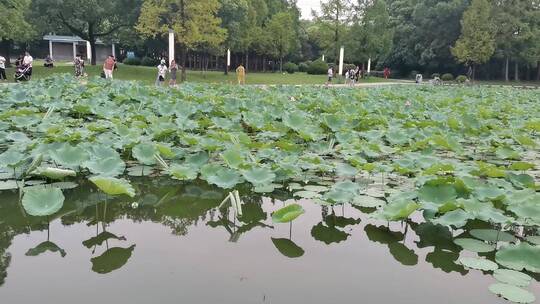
162, 72
241, 74
2, 68
78, 63
108, 67
330, 75
27, 61
173, 68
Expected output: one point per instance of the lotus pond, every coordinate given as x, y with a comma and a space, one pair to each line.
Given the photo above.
221, 194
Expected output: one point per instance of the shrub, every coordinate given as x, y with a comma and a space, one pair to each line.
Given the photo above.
435, 75
318, 67
290, 67
148, 61
413, 74
461, 79
132, 61
303, 67
447, 77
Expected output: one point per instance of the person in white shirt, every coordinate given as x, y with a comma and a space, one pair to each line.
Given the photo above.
162, 71
330, 75
2, 68
27, 61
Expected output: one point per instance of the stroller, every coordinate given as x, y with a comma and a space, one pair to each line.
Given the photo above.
22, 73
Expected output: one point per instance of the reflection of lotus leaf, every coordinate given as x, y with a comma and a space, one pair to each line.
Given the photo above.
328, 235
288, 248
100, 238
403, 254
333, 220
112, 259
480, 264
44, 247
445, 260
512, 277
287, 213
512, 293
252, 212
43, 201
520, 257
382, 234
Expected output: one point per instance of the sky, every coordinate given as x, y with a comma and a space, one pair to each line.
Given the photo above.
306, 6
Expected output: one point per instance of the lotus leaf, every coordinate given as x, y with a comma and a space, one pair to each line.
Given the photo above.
69, 156
183, 172
534, 239
457, 218
111, 166
287, 213
54, 173
512, 293
520, 257
437, 194
490, 235
399, 210
259, 176
11, 158
225, 178
113, 186
474, 245
43, 201
480, 264
512, 277
144, 153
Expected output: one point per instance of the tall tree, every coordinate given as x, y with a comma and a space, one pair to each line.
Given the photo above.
194, 22
371, 32
89, 19
335, 16
476, 44
13, 24
281, 35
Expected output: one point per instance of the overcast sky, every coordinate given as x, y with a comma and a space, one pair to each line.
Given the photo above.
306, 6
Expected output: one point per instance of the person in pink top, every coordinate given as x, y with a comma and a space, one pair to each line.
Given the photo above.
108, 67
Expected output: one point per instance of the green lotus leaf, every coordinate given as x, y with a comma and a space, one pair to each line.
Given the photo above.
489, 193
233, 158
11, 158
457, 218
54, 173
535, 239
183, 172
506, 152
521, 180
474, 245
512, 293
69, 156
307, 194
399, 210
521, 166
268, 188
113, 186
144, 153
259, 176
288, 248
490, 235
112, 259
520, 257
437, 194
480, 264
197, 160
339, 196
346, 170
314, 188
367, 201
112, 166
333, 121
225, 178
139, 171
9, 185
43, 201
512, 277
527, 210
287, 213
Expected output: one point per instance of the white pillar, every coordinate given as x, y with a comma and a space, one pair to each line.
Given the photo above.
113, 50
229, 57
341, 54
369, 66
88, 51
74, 50
171, 46
51, 49
323, 58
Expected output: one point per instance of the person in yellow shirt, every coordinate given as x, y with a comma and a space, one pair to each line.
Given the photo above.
241, 74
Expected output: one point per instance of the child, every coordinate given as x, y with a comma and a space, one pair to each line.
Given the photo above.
79, 66
162, 71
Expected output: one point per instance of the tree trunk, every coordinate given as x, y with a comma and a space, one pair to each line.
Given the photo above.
506, 78
538, 71
281, 64
264, 63
247, 62
516, 71
7, 51
93, 51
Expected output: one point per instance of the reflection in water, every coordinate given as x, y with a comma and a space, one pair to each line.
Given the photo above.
181, 208
112, 259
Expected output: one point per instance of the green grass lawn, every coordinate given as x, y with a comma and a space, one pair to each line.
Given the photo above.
148, 75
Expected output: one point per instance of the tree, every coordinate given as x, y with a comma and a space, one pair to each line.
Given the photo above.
13, 23
371, 33
281, 35
89, 19
335, 16
194, 23
476, 44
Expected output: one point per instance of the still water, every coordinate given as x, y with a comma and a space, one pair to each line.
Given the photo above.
176, 246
